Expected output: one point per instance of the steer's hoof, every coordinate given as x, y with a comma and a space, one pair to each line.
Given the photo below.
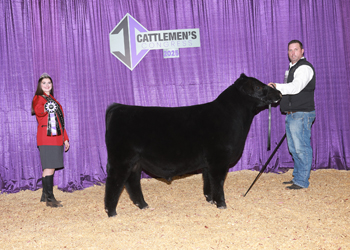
111, 214
142, 206
145, 207
221, 205
209, 199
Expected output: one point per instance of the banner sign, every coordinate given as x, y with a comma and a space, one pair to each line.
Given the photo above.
130, 41
165, 39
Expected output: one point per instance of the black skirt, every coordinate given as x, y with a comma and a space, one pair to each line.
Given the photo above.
51, 156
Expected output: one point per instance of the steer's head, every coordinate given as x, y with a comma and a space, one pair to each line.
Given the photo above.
257, 91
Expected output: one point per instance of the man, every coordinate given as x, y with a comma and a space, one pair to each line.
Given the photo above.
299, 106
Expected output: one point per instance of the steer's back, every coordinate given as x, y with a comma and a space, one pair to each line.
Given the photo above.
165, 141
142, 124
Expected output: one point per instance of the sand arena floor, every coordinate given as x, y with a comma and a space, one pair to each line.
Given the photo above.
178, 217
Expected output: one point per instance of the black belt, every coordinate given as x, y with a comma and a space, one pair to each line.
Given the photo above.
290, 112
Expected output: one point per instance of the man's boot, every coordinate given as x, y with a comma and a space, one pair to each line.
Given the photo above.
50, 198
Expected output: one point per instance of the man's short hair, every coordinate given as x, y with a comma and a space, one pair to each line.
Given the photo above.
296, 41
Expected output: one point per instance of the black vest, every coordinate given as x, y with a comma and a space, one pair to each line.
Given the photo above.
304, 100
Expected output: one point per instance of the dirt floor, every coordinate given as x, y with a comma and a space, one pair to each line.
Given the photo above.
178, 217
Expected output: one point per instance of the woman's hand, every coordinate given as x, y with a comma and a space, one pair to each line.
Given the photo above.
66, 145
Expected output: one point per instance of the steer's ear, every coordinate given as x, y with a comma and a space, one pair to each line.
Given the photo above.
243, 76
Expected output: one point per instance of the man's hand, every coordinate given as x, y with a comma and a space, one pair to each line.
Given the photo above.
272, 85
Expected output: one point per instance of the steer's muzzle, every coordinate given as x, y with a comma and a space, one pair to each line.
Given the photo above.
280, 97
274, 95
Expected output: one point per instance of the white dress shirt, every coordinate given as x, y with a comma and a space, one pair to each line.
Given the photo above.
302, 76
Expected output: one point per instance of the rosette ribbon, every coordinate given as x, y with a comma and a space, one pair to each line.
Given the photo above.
55, 114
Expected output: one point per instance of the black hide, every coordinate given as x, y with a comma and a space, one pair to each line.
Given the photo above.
167, 142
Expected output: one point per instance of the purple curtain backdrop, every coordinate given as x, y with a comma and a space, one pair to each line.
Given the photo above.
70, 41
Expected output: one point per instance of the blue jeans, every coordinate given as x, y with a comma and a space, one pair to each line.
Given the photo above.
298, 130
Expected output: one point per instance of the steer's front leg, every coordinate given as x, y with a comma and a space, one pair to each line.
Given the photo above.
206, 186
217, 185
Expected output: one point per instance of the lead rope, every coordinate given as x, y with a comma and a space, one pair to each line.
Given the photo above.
267, 162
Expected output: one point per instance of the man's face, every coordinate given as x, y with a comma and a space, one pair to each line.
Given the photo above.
295, 52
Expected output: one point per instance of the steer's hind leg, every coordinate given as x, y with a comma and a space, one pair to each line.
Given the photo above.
133, 186
114, 187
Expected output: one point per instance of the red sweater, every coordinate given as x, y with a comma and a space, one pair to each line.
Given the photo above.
42, 117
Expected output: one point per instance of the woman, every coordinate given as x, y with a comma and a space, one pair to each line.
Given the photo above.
52, 136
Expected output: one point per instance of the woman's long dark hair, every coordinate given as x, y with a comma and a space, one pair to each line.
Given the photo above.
39, 90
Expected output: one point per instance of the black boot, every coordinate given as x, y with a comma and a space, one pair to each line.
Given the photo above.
50, 198
43, 198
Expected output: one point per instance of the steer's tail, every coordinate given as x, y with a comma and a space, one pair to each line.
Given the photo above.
109, 112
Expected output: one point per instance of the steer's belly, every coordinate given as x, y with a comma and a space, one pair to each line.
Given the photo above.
168, 169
